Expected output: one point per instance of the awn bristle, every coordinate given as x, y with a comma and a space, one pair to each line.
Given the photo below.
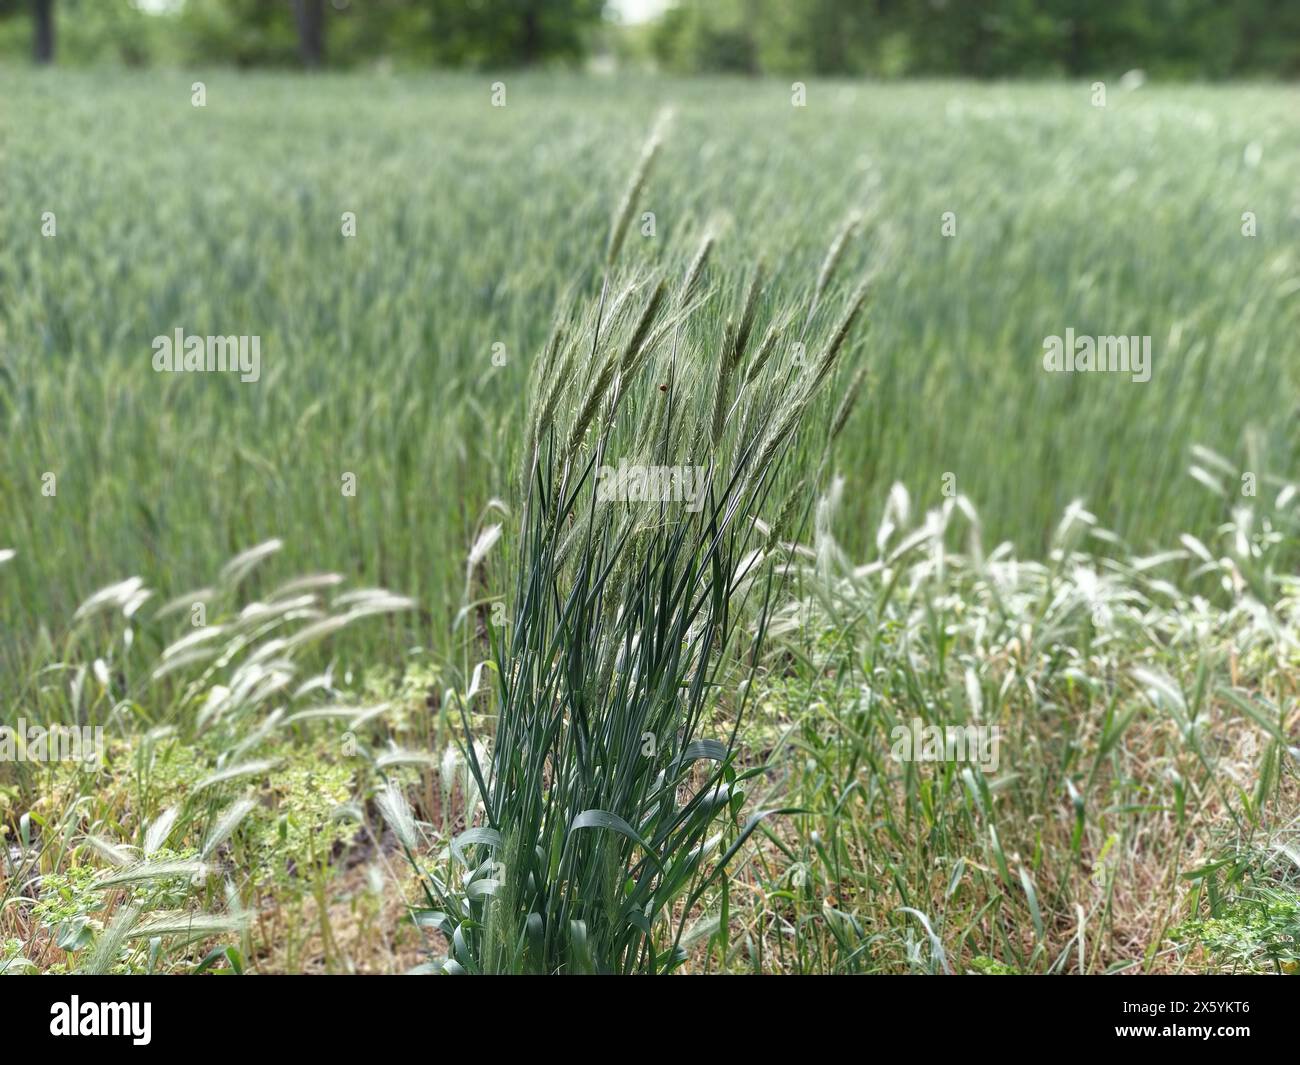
725, 365
696, 268
832, 260
638, 342
623, 217
785, 516
795, 410
832, 351
746, 326
613, 366
558, 374
765, 350
848, 402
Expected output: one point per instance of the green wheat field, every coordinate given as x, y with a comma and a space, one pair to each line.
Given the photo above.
385, 686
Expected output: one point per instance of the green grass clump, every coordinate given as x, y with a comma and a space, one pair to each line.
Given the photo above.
1247, 911
231, 795
613, 787
1145, 708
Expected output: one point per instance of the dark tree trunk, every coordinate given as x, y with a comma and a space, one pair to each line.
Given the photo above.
530, 36
1076, 59
310, 16
43, 42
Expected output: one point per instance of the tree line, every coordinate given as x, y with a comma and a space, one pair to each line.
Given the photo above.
982, 39
875, 38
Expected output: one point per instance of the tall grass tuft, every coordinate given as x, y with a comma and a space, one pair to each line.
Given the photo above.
612, 794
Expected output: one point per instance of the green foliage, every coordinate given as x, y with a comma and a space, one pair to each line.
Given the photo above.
975, 38
989, 38
1247, 909
299, 830
206, 803
1256, 934
992, 967
265, 33
508, 32
90, 33
67, 896
237, 32
496, 34
1120, 721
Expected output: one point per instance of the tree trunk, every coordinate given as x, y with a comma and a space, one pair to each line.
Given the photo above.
530, 36
43, 43
310, 16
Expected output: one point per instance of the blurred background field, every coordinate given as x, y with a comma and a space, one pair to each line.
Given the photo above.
472, 220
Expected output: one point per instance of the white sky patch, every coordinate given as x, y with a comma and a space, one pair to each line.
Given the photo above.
634, 11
